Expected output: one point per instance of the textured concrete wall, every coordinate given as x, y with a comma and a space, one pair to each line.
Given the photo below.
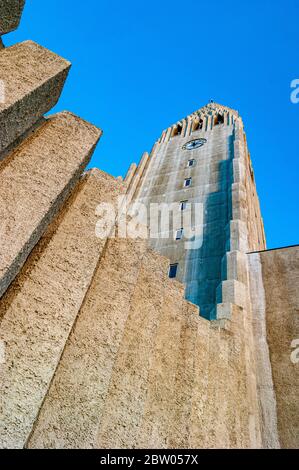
142, 369
264, 378
280, 281
35, 181
10, 14
32, 79
39, 309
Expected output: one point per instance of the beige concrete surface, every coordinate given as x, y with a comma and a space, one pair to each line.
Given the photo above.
141, 368
32, 79
280, 281
10, 14
35, 180
39, 309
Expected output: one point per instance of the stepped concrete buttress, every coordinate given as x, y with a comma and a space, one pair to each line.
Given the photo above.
32, 79
38, 311
10, 15
36, 179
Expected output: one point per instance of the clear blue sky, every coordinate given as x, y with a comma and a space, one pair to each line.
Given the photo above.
139, 66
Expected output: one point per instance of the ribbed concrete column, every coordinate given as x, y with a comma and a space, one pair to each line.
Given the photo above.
163, 136
130, 174
204, 123
188, 128
209, 122
168, 134
137, 176
184, 126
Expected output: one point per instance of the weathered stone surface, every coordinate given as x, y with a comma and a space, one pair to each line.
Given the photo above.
38, 311
10, 14
280, 309
32, 78
35, 181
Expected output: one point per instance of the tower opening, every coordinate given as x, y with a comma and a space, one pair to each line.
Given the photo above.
197, 125
219, 119
178, 129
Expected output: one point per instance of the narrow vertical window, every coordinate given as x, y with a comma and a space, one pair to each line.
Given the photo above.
179, 234
183, 205
187, 182
191, 162
173, 269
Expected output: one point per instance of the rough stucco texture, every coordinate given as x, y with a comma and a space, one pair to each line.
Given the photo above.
10, 14
39, 309
32, 78
35, 181
280, 269
142, 369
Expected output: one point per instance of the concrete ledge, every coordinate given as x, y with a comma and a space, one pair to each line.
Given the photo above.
10, 15
232, 292
32, 78
35, 180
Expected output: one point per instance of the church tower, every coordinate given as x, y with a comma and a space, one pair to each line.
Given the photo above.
203, 159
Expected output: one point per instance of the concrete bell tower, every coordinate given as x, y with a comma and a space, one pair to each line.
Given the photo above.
204, 159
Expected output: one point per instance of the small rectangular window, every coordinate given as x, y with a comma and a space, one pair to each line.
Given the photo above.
191, 162
179, 234
183, 205
187, 182
173, 268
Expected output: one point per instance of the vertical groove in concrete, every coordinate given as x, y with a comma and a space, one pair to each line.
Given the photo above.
266, 393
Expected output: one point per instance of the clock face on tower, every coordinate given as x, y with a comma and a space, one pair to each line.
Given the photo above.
194, 144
